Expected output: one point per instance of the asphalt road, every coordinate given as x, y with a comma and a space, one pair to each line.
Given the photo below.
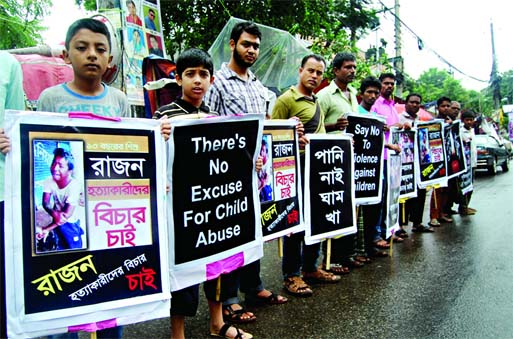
454, 283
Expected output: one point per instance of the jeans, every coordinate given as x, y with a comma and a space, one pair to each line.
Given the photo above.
247, 279
297, 255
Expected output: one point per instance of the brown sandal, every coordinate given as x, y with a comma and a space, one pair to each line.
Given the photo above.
296, 286
320, 276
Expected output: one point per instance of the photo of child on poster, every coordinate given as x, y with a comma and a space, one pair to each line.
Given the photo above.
265, 176
58, 196
425, 154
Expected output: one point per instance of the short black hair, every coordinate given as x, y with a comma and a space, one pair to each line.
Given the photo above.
442, 99
339, 59
62, 153
246, 26
468, 113
383, 76
93, 25
413, 95
370, 81
313, 56
194, 57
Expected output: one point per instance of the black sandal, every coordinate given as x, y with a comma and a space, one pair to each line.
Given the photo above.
236, 316
226, 327
272, 299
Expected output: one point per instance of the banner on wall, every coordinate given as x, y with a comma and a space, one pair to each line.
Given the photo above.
214, 208
430, 153
82, 191
368, 146
279, 181
406, 139
329, 187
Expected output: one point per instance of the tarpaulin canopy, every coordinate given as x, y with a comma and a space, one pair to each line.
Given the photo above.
41, 72
279, 59
155, 68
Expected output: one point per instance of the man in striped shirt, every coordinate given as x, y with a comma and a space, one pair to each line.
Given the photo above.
236, 90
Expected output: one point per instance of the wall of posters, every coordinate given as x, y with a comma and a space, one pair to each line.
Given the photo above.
406, 140
279, 181
393, 193
329, 187
430, 153
214, 208
368, 146
83, 191
141, 26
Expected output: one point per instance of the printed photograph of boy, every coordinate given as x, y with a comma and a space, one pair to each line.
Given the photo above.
265, 176
58, 196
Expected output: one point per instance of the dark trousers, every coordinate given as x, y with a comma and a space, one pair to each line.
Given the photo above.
246, 278
413, 209
298, 256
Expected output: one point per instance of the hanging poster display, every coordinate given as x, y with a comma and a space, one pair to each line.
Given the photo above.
430, 153
329, 187
406, 139
81, 191
214, 208
279, 181
368, 146
454, 149
393, 193
143, 36
466, 178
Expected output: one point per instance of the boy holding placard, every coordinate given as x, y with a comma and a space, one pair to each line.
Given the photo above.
194, 73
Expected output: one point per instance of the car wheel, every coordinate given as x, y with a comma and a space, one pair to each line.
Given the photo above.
492, 169
504, 166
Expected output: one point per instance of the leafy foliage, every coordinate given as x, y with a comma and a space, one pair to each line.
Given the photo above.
20, 22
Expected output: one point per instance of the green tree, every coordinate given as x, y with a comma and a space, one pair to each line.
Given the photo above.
20, 22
